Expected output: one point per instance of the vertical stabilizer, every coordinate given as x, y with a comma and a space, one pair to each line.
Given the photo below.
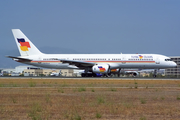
25, 46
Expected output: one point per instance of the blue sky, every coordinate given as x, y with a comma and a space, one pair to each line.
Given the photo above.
94, 26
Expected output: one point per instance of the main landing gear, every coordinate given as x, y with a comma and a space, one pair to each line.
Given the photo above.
155, 73
119, 72
88, 75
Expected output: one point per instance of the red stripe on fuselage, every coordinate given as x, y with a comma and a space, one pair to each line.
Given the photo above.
105, 61
45, 61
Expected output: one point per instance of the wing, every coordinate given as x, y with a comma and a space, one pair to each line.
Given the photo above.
80, 64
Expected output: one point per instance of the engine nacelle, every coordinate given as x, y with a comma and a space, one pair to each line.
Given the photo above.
135, 74
100, 68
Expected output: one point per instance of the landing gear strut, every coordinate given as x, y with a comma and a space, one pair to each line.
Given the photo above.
86, 72
108, 72
88, 75
155, 73
119, 72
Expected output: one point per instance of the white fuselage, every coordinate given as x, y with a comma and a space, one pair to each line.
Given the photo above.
143, 61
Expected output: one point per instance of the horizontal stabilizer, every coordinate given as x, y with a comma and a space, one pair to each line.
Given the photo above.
24, 59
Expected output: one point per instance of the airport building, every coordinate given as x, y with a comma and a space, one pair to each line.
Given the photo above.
174, 72
47, 72
36, 71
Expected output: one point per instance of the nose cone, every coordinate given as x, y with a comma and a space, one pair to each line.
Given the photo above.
173, 64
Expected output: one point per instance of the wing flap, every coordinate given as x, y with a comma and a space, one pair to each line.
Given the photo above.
78, 63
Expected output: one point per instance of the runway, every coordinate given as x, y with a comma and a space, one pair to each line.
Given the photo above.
92, 78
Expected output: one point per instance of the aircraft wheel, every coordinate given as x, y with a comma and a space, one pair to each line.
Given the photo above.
82, 75
93, 75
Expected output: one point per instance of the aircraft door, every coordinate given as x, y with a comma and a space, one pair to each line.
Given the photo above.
157, 60
124, 59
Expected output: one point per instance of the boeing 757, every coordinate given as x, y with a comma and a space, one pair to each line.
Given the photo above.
93, 64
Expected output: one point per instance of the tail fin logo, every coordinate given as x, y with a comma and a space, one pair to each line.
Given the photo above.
23, 44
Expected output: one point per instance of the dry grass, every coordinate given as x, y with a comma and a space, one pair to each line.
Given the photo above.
74, 99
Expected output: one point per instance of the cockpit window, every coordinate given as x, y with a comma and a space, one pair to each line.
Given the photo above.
168, 60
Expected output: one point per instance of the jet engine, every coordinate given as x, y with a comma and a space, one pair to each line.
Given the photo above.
135, 74
100, 68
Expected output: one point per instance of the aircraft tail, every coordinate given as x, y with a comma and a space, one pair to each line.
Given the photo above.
25, 46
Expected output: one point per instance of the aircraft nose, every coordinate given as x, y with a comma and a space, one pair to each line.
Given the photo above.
174, 64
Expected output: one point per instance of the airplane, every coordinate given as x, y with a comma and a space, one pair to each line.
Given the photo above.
132, 72
91, 63
1, 74
54, 73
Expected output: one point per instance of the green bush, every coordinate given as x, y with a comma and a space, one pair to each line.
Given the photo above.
32, 84
178, 97
77, 117
113, 89
143, 101
100, 99
61, 90
35, 111
81, 89
98, 115
142, 118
